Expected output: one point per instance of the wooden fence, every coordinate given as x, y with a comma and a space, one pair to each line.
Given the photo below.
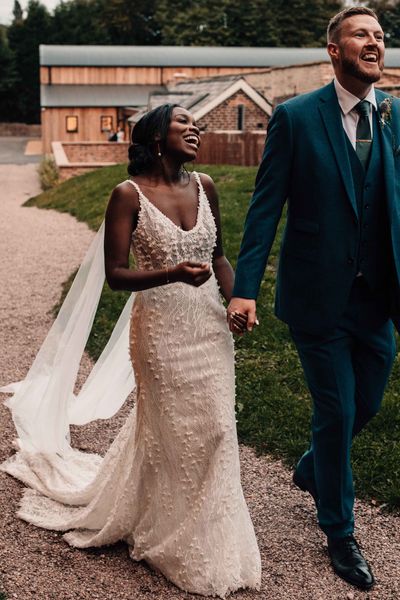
231, 148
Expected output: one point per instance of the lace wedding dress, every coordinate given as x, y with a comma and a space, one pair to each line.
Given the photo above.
170, 483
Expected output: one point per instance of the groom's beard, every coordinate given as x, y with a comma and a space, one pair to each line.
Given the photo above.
349, 67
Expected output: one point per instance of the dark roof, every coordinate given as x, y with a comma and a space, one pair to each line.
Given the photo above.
97, 95
193, 94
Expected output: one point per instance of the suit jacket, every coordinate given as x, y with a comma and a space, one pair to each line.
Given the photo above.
305, 163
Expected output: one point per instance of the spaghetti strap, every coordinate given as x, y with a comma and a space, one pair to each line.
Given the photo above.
137, 188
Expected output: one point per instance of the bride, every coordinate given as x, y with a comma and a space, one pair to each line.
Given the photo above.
170, 483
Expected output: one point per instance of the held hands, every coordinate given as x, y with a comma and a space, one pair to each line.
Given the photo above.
241, 315
190, 272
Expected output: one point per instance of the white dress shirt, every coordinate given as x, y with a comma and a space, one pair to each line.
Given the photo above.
347, 102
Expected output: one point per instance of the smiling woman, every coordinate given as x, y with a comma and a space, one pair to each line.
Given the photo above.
170, 484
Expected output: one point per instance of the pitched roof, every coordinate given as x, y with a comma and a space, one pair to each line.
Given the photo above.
96, 95
200, 96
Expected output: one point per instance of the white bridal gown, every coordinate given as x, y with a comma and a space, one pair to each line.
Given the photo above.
170, 483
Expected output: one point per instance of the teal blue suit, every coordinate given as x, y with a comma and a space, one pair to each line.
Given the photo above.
341, 221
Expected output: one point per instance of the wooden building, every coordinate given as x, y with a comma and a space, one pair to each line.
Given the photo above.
89, 91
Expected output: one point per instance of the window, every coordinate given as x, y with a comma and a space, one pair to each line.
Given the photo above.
106, 123
240, 117
71, 124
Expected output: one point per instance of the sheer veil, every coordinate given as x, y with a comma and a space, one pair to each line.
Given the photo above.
43, 405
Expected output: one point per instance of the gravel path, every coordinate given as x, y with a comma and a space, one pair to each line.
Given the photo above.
38, 250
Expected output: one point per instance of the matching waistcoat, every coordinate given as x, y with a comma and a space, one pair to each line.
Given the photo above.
374, 252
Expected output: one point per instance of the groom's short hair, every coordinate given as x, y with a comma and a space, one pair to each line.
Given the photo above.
335, 23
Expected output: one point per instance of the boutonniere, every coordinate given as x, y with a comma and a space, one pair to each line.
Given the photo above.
385, 111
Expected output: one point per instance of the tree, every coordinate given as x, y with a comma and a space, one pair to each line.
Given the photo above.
207, 23
79, 22
8, 79
128, 22
253, 23
24, 39
17, 12
388, 12
304, 22
193, 23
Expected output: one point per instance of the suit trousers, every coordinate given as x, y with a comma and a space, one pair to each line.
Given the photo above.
346, 371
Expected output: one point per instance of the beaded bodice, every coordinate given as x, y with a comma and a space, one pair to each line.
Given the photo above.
157, 242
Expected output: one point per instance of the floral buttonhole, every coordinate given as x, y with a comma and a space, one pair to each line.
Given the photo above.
385, 111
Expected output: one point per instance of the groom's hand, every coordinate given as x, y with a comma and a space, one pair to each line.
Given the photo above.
245, 307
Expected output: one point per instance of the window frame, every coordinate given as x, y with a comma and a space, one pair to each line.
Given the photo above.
76, 129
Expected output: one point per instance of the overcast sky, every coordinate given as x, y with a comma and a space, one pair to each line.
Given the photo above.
6, 7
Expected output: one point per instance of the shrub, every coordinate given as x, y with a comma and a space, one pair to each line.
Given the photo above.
48, 172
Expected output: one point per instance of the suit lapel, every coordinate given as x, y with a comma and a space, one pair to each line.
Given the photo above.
386, 133
331, 116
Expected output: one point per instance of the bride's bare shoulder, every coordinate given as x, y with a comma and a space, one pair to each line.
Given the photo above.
124, 196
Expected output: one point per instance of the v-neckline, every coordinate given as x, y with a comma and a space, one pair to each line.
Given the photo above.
158, 210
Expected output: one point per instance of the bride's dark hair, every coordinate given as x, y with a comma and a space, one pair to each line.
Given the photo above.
148, 138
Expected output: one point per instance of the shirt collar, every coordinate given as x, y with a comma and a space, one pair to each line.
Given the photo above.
347, 101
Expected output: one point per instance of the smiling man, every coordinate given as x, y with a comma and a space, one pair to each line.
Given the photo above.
334, 156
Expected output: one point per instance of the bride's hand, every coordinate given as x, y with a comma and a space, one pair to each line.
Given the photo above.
246, 308
190, 272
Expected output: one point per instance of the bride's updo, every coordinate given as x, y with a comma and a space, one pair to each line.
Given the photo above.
148, 138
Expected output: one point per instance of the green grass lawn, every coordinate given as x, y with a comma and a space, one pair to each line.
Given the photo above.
273, 403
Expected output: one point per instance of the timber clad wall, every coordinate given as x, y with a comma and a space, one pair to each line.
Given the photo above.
130, 75
54, 125
225, 115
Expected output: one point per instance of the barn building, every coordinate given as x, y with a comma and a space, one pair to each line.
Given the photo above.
88, 91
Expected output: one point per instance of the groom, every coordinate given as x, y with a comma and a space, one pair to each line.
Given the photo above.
334, 156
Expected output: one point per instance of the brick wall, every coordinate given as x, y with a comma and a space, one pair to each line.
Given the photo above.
231, 148
225, 115
20, 129
87, 152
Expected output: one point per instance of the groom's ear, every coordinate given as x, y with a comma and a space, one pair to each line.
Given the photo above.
333, 51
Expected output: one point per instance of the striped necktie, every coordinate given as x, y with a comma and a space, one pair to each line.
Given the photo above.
363, 133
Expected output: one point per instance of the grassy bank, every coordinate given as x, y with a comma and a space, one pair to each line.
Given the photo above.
274, 407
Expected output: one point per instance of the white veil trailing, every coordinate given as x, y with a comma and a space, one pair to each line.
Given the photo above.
43, 405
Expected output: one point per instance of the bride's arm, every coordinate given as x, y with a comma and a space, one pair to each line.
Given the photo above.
120, 223
222, 267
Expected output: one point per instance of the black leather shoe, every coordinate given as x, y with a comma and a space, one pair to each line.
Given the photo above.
305, 487
349, 563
